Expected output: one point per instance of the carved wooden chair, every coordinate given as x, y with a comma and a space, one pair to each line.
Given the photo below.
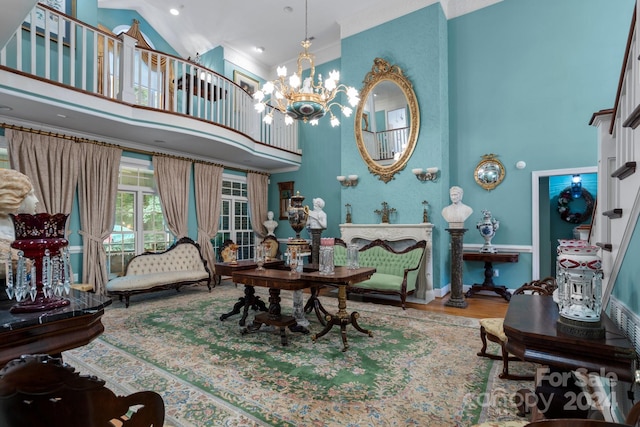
41, 391
491, 328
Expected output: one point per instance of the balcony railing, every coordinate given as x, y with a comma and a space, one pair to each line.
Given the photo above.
70, 53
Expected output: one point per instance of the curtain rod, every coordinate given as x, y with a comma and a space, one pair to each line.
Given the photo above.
106, 144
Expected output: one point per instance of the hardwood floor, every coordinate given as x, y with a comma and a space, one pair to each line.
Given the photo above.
480, 305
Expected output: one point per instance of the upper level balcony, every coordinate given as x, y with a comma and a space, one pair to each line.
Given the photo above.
67, 76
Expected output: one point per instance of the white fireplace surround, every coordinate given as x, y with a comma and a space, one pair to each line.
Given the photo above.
404, 233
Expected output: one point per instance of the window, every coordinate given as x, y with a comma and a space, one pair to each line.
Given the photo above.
4, 158
234, 217
139, 223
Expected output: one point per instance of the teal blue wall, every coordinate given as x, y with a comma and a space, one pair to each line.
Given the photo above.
525, 77
519, 79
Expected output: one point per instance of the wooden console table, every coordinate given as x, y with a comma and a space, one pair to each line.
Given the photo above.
530, 326
532, 336
51, 332
488, 259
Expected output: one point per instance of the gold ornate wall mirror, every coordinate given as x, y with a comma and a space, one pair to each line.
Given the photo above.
387, 120
490, 172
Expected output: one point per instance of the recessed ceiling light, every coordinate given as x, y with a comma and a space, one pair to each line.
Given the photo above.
259, 49
174, 11
61, 116
288, 9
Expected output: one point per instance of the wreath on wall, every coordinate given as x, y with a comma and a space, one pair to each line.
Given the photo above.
565, 198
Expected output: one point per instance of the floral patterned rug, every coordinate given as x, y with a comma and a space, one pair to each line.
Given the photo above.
418, 369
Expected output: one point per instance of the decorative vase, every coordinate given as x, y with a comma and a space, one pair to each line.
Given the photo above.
487, 228
579, 280
298, 214
41, 239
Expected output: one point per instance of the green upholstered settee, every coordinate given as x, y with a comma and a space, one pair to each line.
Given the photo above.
396, 271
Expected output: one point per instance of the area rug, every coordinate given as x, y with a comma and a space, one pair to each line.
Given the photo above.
419, 368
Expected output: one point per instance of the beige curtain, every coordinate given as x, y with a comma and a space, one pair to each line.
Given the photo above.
97, 190
257, 190
152, 60
172, 177
52, 165
208, 186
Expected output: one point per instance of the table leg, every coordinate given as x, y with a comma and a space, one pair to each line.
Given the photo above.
273, 317
488, 285
249, 300
343, 319
313, 303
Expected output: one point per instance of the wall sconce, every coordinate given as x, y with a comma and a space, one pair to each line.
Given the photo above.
348, 181
426, 175
576, 186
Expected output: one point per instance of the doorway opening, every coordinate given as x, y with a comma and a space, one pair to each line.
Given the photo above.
542, 247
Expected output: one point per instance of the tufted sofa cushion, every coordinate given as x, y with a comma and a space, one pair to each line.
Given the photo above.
183, 257
150, 280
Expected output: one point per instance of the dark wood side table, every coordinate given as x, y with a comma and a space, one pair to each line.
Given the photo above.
532, 335
51, 332
489, 259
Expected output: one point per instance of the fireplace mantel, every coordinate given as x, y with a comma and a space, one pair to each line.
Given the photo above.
351, 233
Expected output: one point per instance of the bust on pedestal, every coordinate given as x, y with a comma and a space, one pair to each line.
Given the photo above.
270, 224
455, 214
316, 223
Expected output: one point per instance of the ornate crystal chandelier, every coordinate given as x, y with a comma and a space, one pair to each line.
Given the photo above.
307, 100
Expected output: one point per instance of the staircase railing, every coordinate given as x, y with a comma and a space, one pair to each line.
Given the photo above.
71, 53
618, 206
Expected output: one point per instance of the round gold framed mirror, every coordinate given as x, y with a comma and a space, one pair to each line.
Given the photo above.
490, 172
387, 120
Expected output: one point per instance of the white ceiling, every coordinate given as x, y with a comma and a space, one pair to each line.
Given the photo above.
241, 25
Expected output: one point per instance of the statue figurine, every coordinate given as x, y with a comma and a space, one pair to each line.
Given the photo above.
270, 224
457, 212
317, 217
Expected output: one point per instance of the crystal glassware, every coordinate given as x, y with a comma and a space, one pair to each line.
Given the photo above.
293, 264
260, 252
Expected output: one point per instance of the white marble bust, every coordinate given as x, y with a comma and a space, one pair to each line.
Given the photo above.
16, 196
270, 224
317, 217
457, 212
